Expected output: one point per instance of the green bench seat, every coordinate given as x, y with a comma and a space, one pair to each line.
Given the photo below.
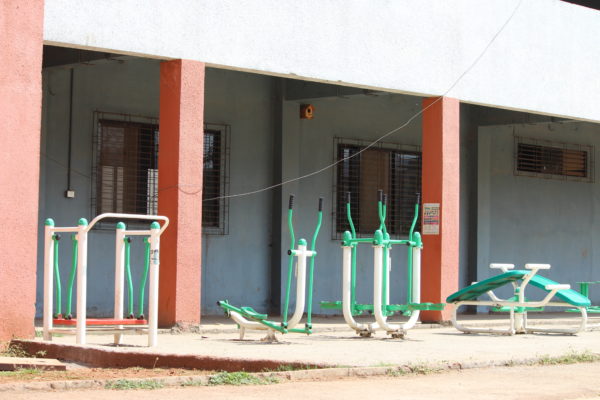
472, 292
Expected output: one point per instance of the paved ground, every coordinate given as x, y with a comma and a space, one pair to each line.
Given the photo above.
578, 381
335, 344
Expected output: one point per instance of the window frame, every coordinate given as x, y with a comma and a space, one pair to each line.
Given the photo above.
381, 146
224, 168
556, 147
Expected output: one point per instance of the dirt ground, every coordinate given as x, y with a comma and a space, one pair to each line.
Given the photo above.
80, 373
573, 381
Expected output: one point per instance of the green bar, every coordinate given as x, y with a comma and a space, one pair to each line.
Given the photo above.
311, 271
144, 278
58, 293
228, 307
353, 269
290, 269
72, 278
409, 292
128, 272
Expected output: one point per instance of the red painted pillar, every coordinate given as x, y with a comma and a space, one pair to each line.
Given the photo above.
180, 189
441, 193
21, 46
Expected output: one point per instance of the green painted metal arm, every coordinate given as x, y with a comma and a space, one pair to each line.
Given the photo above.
68, 312
354, 250
144, 278
228, 307
409, 292
58, 297
290, 262
312, 267
127, 241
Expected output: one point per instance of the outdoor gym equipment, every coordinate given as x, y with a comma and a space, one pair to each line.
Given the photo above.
518, 305
117, 325
382, 261
248, 319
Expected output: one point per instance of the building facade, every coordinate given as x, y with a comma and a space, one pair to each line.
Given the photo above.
486, 108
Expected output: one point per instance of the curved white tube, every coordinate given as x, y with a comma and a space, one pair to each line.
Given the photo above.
244, 323
377, 289
302, 254
346, 294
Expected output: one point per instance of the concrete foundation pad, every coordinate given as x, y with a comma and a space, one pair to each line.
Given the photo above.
332, 344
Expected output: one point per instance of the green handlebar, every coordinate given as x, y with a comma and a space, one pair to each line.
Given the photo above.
127, 241
144, 278
58, 295
312, 267
290, 262
68, 313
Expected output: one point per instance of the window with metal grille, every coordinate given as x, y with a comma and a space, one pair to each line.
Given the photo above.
127, 166
553, 160
215, 208
126, 169
394, 169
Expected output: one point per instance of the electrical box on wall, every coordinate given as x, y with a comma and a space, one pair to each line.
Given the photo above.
70, 194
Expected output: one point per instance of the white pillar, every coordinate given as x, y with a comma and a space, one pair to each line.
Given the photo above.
48, 278
81, 280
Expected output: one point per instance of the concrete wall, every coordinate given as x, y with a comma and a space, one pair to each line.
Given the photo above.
130, 87
237, 266
528, 219
243, 101
308, 146
545, 60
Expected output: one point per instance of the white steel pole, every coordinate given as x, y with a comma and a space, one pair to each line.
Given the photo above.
82, 236
119, 276
416, 275
48, 278
153, 290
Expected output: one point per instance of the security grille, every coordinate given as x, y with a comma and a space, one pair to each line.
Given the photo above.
215, 206
126, 169
393, 168
553, 160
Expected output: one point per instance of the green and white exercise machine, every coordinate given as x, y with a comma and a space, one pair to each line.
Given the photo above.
557, 295
248, 319
382, 261
57, 322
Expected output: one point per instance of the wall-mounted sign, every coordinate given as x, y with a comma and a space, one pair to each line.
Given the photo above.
431, 219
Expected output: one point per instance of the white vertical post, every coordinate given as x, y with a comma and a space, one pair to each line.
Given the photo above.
416, 275
387, 279
81, 280
119, 276
153, 290
48, 278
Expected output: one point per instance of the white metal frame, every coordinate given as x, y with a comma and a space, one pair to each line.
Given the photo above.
518, 320
381, 323
300, 271
82, 231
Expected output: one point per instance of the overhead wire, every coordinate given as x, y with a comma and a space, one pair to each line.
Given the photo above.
398, 128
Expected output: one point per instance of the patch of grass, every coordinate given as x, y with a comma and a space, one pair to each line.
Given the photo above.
240, 378
287, 367
21, 372
194, 382
127, 384
383, 364
569, 358
16, 350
